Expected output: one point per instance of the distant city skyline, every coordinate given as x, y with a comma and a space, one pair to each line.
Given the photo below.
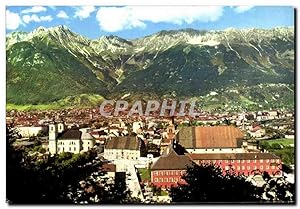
138, 21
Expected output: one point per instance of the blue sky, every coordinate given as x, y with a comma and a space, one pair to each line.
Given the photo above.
137, 21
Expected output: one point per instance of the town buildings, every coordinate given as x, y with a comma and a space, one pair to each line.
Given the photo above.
124, 148
69, 140
211, 139
168, 170
246, 164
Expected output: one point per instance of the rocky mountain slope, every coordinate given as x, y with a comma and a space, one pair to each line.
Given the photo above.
47, 65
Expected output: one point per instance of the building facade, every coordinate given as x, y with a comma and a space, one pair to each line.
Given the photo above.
130, 148
167, 171
247, 164
70, 140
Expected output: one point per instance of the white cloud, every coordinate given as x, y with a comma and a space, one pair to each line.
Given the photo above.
114, 19
34, 18
46, 18
62, 14
84, 11
34, 9
241, 9
13, 20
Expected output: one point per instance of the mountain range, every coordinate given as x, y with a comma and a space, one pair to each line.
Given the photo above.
52, 65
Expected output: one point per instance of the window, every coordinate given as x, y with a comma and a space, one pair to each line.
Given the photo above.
267, 161
277, 160
161, 180
220, 149
226, 161
254, 161
212, 150
171, 173
261, 160
176, 179
273, 166
160, 173
166, 180
155, 180
170, 179
267, 167
273, 161
70, 149
74, 148
243, 161
155, 173
232, 161
261, 167
254, 167
248, 167
243, 167
238, 161
167, 173
238, 168
248, 161
226, 167
63, 149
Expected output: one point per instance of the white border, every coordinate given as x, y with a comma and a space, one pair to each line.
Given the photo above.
5, 3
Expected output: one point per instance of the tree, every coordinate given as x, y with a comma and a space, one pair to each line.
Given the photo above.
55, 179
207, 183
278, 189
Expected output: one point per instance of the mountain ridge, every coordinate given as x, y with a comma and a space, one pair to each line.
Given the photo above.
164, 62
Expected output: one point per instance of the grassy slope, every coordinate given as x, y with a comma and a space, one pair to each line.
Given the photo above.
83, 100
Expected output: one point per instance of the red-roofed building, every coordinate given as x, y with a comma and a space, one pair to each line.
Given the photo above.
242, 163
169, 168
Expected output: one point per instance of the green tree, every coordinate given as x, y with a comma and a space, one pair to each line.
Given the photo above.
55, 179
278, 189
206, 183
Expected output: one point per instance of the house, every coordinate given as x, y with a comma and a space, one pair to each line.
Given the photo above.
109, 172
168, 136
247, 164
126, 147
28, 131
70, 140
211, 139
256, 132
169, 168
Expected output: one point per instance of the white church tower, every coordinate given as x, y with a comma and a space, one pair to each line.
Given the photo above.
53, 131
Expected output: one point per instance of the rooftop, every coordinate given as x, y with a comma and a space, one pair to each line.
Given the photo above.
172, 161
209, 137
127, 142
233, 156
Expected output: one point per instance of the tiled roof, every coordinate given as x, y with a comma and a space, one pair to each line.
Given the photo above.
70, 134
209, 137
172, 161
233, 156
128, 142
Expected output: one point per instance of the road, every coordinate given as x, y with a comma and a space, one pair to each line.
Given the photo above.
132, 180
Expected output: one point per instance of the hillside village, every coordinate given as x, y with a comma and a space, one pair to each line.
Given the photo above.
154, 152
